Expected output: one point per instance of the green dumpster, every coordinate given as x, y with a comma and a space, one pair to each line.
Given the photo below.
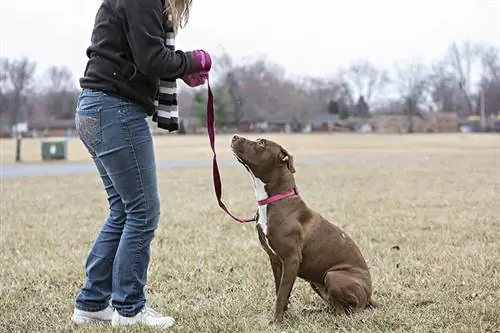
54, 149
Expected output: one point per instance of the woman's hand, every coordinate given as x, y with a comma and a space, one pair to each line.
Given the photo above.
202, 59
204, 64
195, 80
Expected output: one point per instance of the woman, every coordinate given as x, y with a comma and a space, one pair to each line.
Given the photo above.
131, 49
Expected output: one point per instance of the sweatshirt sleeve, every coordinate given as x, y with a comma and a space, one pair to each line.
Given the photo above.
145, 33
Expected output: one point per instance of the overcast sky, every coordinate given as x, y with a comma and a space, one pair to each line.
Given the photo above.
312, 37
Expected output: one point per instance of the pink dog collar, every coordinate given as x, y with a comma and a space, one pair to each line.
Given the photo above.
279, 196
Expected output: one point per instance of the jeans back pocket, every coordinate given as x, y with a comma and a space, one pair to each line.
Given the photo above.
88, 118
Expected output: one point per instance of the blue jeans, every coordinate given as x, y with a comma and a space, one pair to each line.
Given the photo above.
117, 136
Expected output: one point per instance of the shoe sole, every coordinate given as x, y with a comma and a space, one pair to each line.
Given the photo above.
118, 324
80, 320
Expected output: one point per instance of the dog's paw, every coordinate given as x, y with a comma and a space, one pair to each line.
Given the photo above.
287, 305
278, 319
275, 322
372, 304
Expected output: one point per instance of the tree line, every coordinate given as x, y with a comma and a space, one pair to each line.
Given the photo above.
25, 97
464, 80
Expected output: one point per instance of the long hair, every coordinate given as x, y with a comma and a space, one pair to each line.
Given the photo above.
179, 11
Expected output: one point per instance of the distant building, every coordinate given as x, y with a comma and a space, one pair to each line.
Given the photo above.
470, 123
496, 122
52, 127
324, 121
278, 122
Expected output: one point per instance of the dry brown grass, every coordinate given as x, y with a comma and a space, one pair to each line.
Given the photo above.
196, 147
436, 197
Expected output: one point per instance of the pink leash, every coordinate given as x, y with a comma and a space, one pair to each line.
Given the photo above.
215, 167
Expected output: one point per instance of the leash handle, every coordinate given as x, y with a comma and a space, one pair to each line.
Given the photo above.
215, 168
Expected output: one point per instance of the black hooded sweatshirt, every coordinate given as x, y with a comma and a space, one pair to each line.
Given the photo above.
128, 55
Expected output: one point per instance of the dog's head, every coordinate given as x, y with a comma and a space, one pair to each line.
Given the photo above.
264, 159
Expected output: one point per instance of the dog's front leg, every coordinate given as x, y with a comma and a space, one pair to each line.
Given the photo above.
277, 272
290, 268
273, 259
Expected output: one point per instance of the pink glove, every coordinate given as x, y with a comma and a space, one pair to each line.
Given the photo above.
195, 80
203, 60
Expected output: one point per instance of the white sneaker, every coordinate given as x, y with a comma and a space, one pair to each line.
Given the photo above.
147, 316
85, 317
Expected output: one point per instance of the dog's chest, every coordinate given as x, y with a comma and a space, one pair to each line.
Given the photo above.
262, 224
262, 220
261, 194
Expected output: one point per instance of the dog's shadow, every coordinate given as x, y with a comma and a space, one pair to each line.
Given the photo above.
316, 311
326, 310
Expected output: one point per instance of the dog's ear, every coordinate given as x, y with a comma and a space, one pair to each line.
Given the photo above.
285, 157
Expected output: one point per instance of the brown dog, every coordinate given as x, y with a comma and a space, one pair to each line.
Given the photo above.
299, 241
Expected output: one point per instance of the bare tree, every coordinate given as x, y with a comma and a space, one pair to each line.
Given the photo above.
226, 74
20, 74
60, 93
4, 88
363, 79
444, 90
4, 68
60, 79
412, 84
321, 95
260, 91
463, 59
221, 64
490, 79
254, 88
490, 60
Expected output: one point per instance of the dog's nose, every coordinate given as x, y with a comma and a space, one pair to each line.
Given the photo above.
235, 137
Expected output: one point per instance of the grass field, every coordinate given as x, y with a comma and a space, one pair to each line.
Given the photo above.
180, 147
424, 209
